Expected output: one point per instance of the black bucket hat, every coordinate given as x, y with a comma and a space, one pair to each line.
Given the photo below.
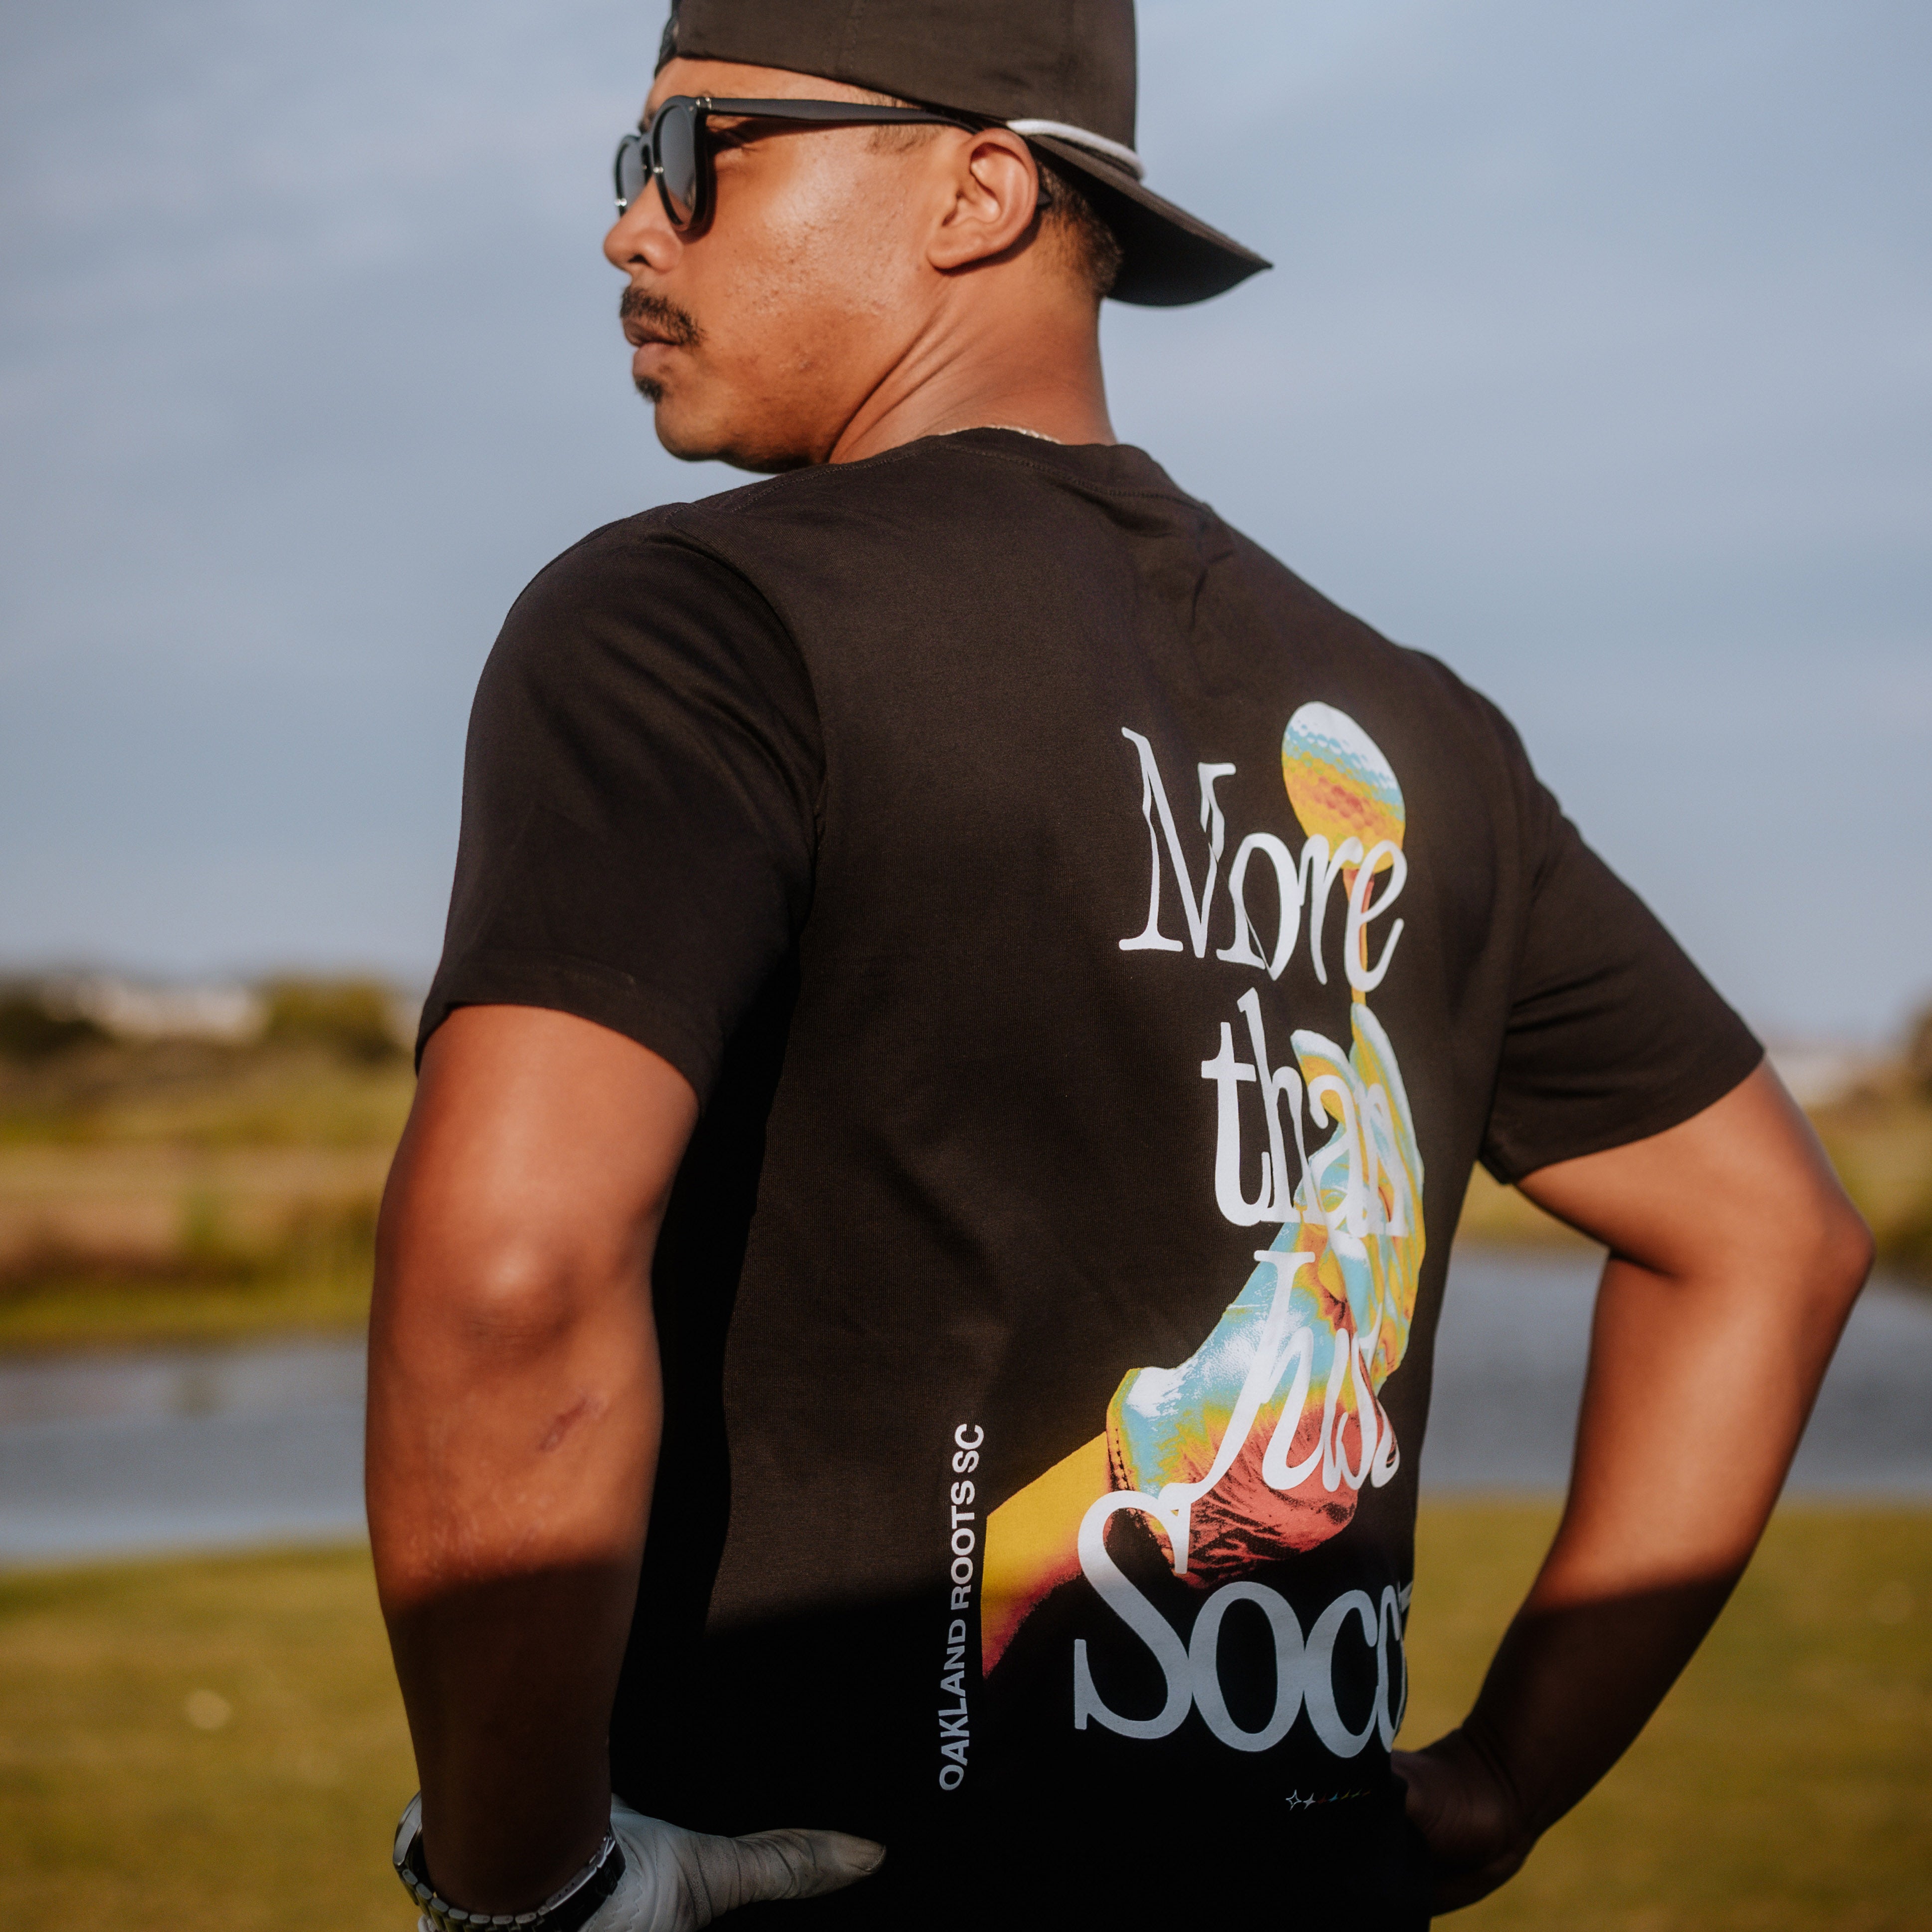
1060, 72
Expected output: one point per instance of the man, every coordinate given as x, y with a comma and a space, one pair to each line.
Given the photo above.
971, 999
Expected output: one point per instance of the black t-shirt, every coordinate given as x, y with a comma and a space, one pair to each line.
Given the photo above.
1101, 961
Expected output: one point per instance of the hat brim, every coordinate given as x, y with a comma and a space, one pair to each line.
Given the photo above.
1169, 258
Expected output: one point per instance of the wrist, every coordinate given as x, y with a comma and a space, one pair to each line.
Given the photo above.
566, 1909
1477, 1754
1463, 1802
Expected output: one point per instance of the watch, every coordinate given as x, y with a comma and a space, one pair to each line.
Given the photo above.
564, 1911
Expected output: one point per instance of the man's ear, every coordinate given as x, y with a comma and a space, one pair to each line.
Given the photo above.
993, 192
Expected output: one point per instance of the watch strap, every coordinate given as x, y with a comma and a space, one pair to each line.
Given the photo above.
565, 1910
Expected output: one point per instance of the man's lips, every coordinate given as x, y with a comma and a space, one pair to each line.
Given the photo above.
654, 321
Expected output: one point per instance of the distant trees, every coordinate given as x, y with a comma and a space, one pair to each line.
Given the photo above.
355, 1017
361, 1021
33, 1028
1918, 1052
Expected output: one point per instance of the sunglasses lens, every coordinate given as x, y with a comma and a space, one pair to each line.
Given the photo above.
676, 132
634, 170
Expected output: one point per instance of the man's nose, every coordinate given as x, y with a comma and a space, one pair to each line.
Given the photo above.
642, 234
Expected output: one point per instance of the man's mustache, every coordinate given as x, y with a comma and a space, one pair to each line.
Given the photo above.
676, 325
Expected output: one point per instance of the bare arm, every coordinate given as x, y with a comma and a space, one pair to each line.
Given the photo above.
515, 1406
1734, 1257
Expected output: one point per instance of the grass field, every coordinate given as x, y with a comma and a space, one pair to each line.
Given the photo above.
1879, 1137
187, 1192
217, 1744
1786, 1783
85, 1309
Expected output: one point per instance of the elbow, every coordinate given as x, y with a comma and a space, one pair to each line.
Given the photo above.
1850, 1251
519, 1296
493, 1297
1837, 1250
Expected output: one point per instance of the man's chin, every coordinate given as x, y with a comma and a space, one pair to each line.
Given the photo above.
691, 440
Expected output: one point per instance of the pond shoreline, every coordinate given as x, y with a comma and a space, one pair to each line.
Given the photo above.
237, 1445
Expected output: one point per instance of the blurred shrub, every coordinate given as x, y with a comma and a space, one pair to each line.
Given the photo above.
31, 1030
1904, 1224
308, 1238
1918, 1053
329, 1237
355, 1017
1908, 1246
318, 1238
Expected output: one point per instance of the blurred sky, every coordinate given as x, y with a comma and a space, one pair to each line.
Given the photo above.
1598, 362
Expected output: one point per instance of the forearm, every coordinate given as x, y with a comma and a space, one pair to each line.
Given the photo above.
1699, 1388
514, 1408
1735, 1258
509, 1485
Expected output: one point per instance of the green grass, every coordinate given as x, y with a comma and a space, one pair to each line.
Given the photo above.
184, 1093
117, 1809
187, 1192
108, 1311
1787, 1781
1787, 1784
184, 1192
1880, 1140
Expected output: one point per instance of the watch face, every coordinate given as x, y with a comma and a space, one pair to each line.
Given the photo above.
407, 1828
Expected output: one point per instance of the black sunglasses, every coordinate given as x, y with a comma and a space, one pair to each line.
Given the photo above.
675, 149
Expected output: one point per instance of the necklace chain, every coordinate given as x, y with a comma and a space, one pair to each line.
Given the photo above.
1012, 429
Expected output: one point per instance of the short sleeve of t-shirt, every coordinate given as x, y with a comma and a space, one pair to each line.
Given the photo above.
639, 800
1613, 1034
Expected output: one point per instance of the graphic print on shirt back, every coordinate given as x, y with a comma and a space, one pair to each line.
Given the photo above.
1253, 1452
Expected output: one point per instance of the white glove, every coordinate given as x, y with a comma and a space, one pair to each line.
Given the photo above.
675, 1880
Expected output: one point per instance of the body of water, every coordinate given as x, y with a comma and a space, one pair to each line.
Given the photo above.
209, 1449
1509, 1377
108, 1455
